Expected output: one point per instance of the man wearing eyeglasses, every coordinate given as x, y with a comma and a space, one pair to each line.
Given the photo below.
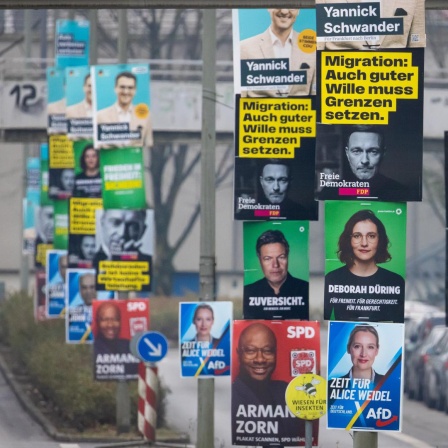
280, 41
278, 295
258, 402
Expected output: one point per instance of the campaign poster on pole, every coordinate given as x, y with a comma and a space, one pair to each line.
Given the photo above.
60, 240
266, 356
79, 103
365, 261
114, 323
124, 248
57, 124
87, 170
44, 198
365, 368
44, 222
123, 181
274, 52
81, 239
61, 167
72, 39
40, 296
204, 338
56, 268
80, 293
121, 106
276, 270
31, 200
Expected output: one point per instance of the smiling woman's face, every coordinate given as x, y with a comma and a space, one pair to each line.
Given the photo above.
363, 350
364, 241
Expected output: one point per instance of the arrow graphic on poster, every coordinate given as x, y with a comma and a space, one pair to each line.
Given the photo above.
155, 351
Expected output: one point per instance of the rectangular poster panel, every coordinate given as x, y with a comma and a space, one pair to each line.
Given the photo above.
81, 240
87, 170
79, 103
343, 25
40, 296
114, 323
365, 261
261, 371
60, 240
80, 293
204, 338
56, 268
274, 159
44, 221
121, 116
124, 248
123, 181
274, 52
31, 200
61, 167
276, 270
44, 198
365, 368
72, 43
57, 124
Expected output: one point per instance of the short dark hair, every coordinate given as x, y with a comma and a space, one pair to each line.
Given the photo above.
125, 75
375, 129
263, 162
362, 327
345, 251
82, 161
271, 237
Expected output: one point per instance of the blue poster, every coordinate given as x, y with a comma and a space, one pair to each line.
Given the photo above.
31, 201
56, 103
72, 43
364, 376
56, 268
80, 292
79, 102
204, 332
121, 106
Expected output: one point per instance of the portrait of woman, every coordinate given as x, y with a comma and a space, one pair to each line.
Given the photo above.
88, 181
203, 320
379, 292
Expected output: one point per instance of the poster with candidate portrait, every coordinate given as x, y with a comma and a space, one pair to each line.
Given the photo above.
114, 323
61, 163
31, 200
123, 182
365, 261
276, 270
40, 296
121, 106
261, 372
44, 222
87, 170
365, 368
274, 52
124, 248
55, 269
80, 293
56, 121
79, 103
72, 39
204, 338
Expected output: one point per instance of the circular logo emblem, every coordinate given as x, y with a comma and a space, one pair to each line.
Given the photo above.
307, 41
141, 110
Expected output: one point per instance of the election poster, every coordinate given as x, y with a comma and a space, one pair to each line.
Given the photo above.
61, 167
44, 223
114, 323
373, 25
60, 240
122, 175
204, 338
124, 248
121, 114
72, 39
81, 239
80, 293
87, 170
57, 124
44, 198
31, 200
56, 268
365, 368
40, 296
365, 261
274, 52
79, 103
276, 270
275, 159
261, 372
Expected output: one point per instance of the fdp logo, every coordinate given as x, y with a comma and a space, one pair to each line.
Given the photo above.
303, 361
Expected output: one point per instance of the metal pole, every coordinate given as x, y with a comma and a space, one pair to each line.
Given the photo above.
93, 19
363, 439
122, 36
206, 387
309, 433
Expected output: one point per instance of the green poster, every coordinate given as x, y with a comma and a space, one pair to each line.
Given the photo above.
123, 178
61, 224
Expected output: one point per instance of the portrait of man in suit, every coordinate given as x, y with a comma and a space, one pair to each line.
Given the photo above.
280, 41
124, 111
413, 14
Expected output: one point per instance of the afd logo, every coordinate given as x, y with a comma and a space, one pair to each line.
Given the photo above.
384, 417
